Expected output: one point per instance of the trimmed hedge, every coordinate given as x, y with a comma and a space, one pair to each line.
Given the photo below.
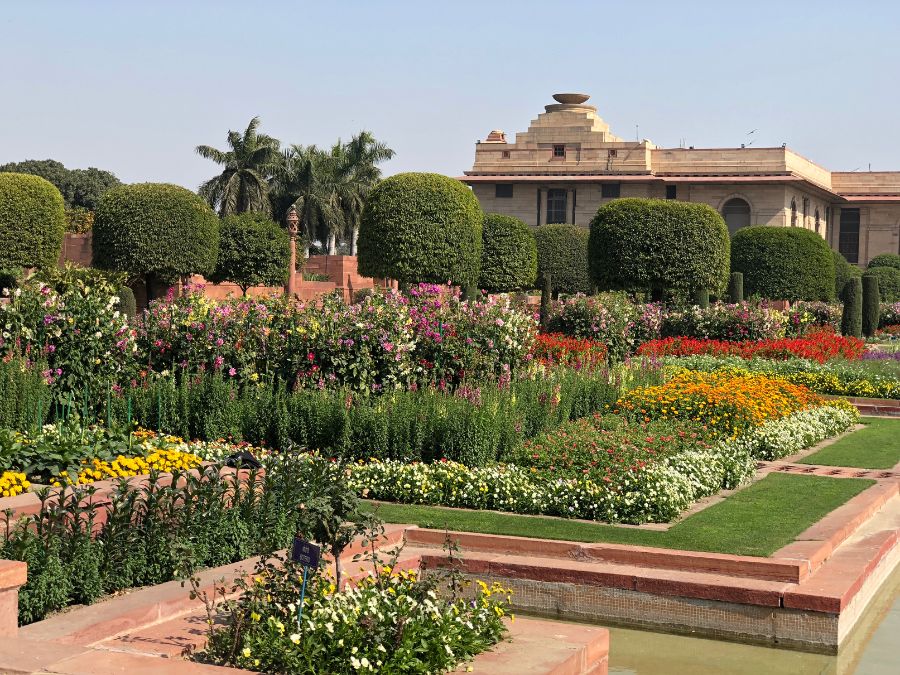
783, 263
155, 230
253, 251
885, 260
871, 307
32, 221
851, 318
508, 254
562, 250
421, 227
843, 272
127, 302
659, 245
888, 282
736, 287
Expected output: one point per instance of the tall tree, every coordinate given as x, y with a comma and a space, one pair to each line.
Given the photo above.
243, 184
80, 188
329, 188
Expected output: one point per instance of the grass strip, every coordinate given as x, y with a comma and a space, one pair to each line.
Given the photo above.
875, 447
757, 520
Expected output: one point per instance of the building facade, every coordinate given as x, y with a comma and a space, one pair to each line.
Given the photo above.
568, 164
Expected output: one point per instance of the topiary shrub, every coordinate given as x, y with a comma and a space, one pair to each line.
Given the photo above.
701, 298
885, 260
851, 318
421, 227
253, 251
783, 263
508, 254
736, 287
888, 282
156, 231
659, 246
843, 272
871, 305
127, 302
562, 252
32, 221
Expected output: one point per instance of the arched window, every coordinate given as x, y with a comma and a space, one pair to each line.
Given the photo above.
793, 212
736, 213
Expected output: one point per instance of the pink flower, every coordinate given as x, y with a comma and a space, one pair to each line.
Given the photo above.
232, 372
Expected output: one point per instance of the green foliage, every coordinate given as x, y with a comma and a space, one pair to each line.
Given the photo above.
562, 250
783, 263
243, 184
736, 287
78, 549
851, 319
474, 425
253, 251
701, 298
79, 220
24, 397
885, 260
81, 188
32, 221
871, 305
421, 227
843, 272
155, 230
127, 302
888, 282
659, 245
509, 254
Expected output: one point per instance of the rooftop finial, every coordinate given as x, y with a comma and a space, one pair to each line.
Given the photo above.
571, 99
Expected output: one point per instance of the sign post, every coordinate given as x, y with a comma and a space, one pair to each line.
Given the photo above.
306, 554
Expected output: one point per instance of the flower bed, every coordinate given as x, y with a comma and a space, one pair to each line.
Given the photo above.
648, 480
820, 346
556, 349
13, 483
868, 379
389, 622
726, 402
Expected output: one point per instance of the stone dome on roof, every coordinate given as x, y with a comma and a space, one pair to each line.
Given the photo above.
496, 136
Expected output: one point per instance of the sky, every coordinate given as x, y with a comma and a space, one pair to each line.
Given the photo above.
134, 86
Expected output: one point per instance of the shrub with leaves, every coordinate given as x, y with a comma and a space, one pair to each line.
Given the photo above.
659, 246
32, 221
253, 251
509, 255
421, 227
562, 252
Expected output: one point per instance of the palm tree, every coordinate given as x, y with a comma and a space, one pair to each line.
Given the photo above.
329, 188
243, 184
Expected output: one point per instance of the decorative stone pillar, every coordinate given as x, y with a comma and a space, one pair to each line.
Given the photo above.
293, 223
13, 574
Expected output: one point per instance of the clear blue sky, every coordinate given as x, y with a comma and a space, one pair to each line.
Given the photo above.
134, 86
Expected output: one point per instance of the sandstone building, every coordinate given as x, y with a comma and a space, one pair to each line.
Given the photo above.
568, 164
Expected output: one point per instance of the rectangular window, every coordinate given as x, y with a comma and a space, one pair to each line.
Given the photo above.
504, 154
671, 192
610, 190
559, 150
848, 240
503, 190
612, 153
556, 206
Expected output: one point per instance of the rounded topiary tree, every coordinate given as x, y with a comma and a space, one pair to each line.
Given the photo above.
885, 260
155, 231
562, 252
888, 282
253, 251
508, 254
32, 221
783, 263
843, 272
421, 227
659, 245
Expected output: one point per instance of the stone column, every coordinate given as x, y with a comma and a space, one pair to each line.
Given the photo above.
293, 223
13, 574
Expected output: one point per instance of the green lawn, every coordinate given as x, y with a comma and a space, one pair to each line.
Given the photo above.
757, 520
875, 447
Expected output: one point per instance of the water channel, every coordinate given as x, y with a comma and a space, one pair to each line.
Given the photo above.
872, 649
